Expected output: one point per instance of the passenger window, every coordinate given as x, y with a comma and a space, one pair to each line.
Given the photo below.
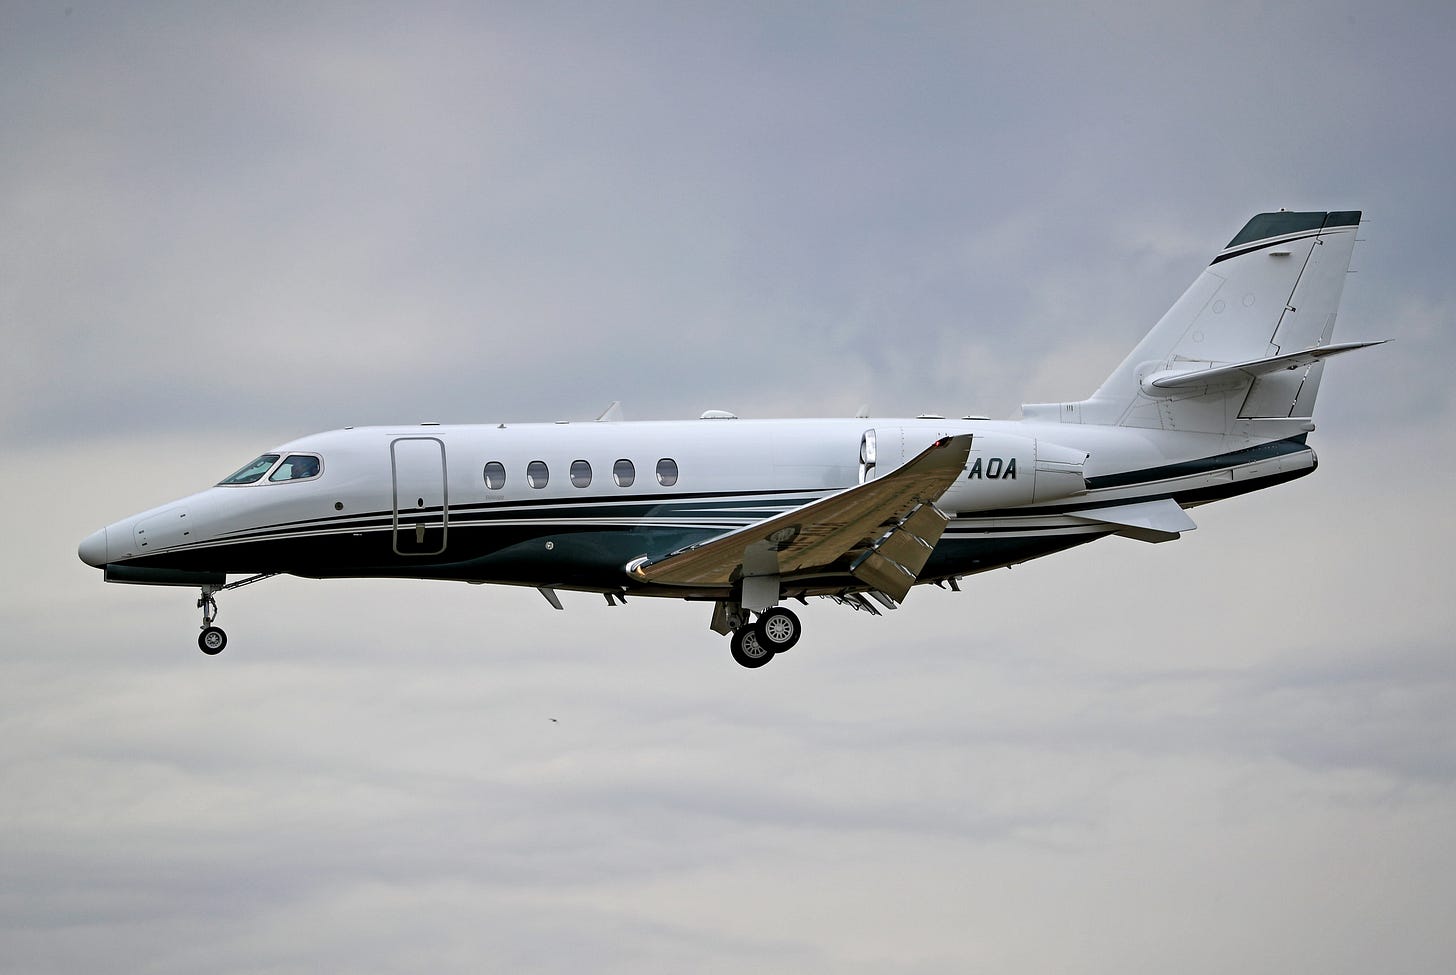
580, 473
536, 474
296, 467
667, 472
624, 473
253, 471
495, 475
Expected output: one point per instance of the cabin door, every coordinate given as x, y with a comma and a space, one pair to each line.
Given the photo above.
421, 514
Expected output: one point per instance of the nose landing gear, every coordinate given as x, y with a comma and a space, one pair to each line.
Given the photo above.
212, 639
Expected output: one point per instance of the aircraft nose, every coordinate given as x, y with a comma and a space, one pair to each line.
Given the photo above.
93, 549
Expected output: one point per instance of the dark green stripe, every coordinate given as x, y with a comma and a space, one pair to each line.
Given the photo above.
1202, 465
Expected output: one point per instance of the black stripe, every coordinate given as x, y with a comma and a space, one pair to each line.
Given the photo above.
1293, 223
1186, 468
1202, 465
1262, 245
699, 505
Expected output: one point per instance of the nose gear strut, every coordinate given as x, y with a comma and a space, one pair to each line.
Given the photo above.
212, 639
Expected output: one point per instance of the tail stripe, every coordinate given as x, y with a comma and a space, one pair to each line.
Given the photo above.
1208, 365
1269, 229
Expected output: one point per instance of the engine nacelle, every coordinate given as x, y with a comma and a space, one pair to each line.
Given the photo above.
1006, 471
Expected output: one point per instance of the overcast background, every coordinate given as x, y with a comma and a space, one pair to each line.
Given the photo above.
225, 226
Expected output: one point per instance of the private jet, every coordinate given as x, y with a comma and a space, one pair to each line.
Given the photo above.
1217, 400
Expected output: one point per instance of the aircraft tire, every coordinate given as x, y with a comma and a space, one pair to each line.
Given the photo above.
211, 640
779, 629
748, 649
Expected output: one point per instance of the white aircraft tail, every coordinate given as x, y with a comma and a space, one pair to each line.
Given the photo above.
1243, 350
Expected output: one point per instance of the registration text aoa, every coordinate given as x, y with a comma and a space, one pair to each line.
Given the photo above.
995, 468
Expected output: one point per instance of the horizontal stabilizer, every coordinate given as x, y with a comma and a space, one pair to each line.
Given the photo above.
1166, 382
1246, 341
1147, 521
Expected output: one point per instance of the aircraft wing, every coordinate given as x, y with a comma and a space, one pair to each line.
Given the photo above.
892, 519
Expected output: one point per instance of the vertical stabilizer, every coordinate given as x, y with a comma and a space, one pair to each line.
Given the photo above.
1272, 292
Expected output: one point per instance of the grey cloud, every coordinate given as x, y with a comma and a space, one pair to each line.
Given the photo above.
220, 229
253, 228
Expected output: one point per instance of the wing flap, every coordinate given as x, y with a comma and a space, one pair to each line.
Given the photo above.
905, 548
816, 534
890, 578
895, 560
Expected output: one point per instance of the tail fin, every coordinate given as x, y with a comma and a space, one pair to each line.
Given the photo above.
1242, 351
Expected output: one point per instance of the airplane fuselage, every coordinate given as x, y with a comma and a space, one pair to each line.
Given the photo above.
570, 505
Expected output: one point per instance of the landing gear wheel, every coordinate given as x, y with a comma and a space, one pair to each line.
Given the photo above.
779, 629
748, 647
211, 640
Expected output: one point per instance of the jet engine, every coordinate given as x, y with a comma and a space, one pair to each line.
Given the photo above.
1005, 471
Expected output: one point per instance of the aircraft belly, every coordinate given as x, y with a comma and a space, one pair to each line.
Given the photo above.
957, 555
586, 557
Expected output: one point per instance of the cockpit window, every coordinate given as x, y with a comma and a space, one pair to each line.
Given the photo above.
296, 467
252, 471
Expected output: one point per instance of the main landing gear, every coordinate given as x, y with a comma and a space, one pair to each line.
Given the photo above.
775, 631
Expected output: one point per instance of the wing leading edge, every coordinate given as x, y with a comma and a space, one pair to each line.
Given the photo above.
889, 524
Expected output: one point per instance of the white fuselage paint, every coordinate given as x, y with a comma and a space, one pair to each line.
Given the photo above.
730, 473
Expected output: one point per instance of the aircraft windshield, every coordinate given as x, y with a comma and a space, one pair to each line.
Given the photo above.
252, 471
296, 467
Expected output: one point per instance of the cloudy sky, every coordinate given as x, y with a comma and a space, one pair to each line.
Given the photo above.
225, 226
